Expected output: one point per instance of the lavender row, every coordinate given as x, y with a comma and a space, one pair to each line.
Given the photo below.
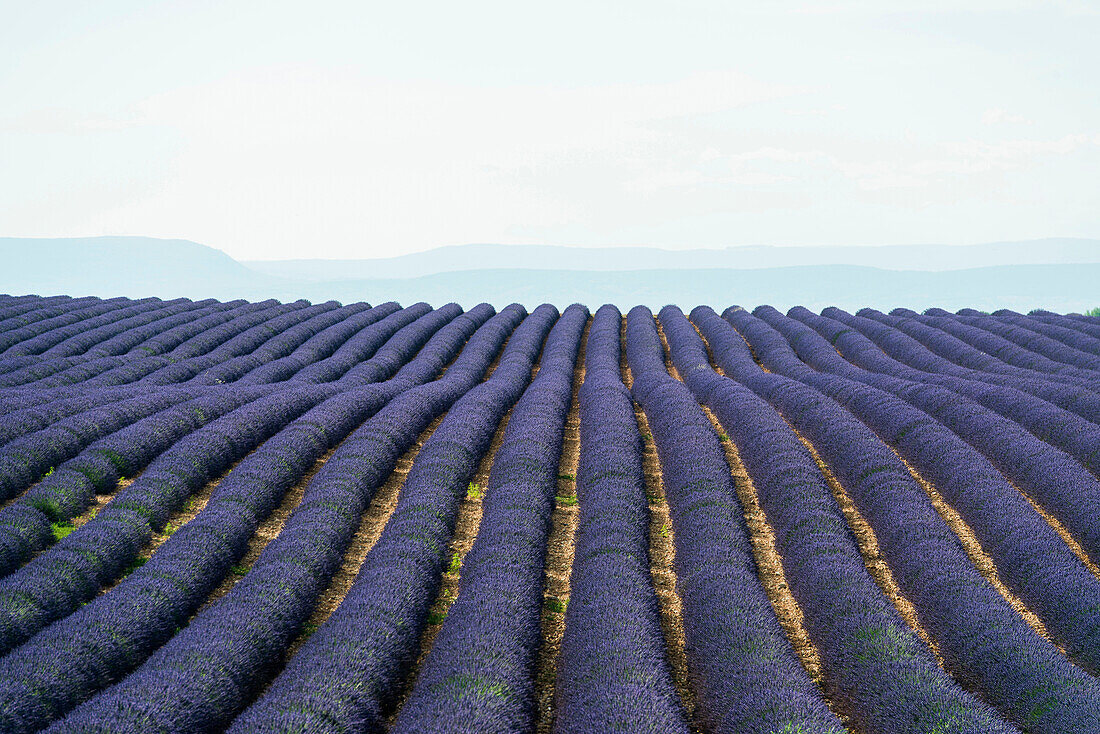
167, 341
881, 673
212, 668
18, 342
347, 675
147, 607
320, 346
985, 644
1032, 340
369, 329
28, 420
228, 355
149, 340
1057, 328
362, 346
896, 351
135, 311
479, 675
951, 347
744, 672
155, 354
612, 670
280, 344
1075, 322
146, 356
68, 490
24, 460
72, 571
213, 346
1004, 350
1030, 556
1042, 449
111, 338
270, 411
136, 340
244, 333
24, 310
188, 566
43, 413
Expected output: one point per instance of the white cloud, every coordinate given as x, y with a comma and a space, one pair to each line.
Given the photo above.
997, 115
282, 157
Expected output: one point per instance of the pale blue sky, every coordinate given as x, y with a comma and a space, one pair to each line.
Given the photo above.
344, 129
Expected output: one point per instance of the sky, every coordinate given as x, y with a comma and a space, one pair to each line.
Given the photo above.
275, 130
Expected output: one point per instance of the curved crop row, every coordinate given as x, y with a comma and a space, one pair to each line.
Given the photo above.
744, 671
319, 346
1001, 348
44, 335
479, 673
1013, 433
102, 355
1032, 558
70, 489
1032, 340
143, 610
348, 672
29, 457
955, 349
73, 312
213, 667
885, 675
1059, 328
73, 570
985, 643
112, 338
612, 670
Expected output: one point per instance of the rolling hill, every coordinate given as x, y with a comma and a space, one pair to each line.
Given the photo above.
1060, 275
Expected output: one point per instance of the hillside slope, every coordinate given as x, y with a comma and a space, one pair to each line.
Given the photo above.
138, 267
556, 257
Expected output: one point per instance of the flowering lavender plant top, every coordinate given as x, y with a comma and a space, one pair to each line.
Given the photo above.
187, 488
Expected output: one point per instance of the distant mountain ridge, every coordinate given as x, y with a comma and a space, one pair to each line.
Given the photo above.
454, 258
121, 265
138, 267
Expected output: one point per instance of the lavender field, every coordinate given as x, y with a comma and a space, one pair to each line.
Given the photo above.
293, 517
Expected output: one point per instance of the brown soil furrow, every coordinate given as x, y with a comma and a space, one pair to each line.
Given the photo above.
872, 558
865, 536
665, 351
560, 549
662, 553
773, 577
268, 530
193, 506
98, 503
1059, 528
370, 528
867, 542
769, 563
371, 524
462, 540
977, 554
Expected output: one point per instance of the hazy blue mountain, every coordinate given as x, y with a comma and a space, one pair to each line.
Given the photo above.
123, 266
1020, 287
137, 267
552, 257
